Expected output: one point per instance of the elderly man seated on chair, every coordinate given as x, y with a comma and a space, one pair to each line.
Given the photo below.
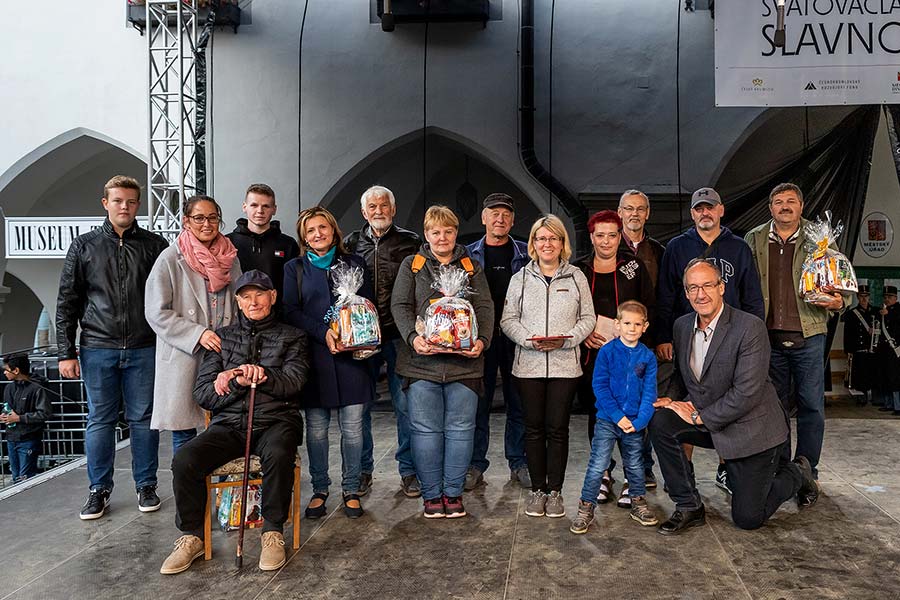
256, 349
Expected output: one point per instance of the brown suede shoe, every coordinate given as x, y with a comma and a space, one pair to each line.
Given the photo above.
272, 556
188, 548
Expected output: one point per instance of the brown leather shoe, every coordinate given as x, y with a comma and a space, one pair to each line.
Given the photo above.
272, 556
188, 548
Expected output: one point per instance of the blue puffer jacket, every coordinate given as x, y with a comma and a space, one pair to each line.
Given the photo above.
625, 383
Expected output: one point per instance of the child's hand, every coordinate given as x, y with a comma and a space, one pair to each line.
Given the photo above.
625, 425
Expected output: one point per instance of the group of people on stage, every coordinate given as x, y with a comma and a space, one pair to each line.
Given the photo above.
704, 342
872, 343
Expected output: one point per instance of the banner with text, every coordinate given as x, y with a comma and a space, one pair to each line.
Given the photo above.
836, 52
48, 237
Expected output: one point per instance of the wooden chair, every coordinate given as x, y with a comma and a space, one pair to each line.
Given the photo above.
236, 467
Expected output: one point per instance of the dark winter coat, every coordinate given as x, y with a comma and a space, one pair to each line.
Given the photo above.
412, 296
268, 251
102, 287
31, 402
733, 257
383, 256
280, 349
336, 380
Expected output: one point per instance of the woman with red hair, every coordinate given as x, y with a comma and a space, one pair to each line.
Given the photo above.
614, 275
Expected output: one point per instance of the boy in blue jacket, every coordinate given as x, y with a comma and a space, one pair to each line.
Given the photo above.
625, 388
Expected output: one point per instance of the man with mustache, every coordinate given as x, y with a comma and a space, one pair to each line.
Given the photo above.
634, 210
383, 246
796, 328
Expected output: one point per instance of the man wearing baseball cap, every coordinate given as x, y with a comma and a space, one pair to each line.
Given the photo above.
710, 240
257, 349
500, 256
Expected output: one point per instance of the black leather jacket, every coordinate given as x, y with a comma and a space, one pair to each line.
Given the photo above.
280, 349
383, 256
102, 286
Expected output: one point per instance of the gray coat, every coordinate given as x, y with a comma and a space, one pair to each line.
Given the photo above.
176, 308
535, 308
735, 397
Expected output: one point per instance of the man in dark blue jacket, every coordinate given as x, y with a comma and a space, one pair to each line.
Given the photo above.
500, 256
708, 239
26, 407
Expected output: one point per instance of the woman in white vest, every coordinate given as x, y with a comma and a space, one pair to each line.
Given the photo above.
548, 313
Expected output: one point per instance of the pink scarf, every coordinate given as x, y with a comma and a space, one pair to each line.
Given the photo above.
213, 263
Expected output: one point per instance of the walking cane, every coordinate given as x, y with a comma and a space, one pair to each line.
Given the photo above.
239, 558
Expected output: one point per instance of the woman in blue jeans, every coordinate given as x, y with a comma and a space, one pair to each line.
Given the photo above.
337, 381
443, 388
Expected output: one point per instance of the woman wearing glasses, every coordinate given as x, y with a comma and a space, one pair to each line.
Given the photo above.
548, 313
337, 382
189, 294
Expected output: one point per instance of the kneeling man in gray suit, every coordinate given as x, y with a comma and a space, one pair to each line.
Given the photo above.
721, 397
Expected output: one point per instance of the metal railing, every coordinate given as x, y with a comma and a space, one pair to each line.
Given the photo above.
64, 434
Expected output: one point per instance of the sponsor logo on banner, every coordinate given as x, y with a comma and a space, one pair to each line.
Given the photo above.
876, 234
835, 52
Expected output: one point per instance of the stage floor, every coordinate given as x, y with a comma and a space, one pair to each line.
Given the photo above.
847, 546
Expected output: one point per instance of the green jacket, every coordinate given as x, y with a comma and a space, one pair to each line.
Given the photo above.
813, 319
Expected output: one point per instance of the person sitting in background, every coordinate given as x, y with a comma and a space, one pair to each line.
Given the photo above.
625, 387
259, 350
26, 407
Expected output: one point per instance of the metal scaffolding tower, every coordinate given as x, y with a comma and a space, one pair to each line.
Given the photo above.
171, 28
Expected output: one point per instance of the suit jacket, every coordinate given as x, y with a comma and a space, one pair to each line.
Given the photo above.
734, 395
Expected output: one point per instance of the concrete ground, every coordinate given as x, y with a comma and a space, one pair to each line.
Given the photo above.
847, 546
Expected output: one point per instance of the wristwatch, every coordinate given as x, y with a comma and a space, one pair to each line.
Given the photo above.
694, 416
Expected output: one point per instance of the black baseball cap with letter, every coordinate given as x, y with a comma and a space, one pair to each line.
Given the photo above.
705, 195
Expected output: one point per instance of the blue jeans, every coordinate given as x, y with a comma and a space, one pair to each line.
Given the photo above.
442, 427
500, 355
111, 377
350, 420
180, 437
632, 447
23, 458
804, 368
388, 355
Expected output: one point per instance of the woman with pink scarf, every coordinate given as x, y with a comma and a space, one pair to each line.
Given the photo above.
189, 295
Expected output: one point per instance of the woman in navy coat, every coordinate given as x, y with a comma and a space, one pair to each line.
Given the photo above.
337, 381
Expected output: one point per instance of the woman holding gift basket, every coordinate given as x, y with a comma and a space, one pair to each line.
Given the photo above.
548, 313
338, 381
443, 310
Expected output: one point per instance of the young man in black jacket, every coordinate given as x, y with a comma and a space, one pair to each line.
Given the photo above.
256, 349
259, 241
102, 289
383, 246
26, 407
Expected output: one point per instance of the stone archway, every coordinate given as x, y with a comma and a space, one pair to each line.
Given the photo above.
398, 166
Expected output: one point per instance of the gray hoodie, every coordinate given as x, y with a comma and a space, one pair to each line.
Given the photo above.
413, 294
536, 308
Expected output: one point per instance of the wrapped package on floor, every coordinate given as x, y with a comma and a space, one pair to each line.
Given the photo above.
353, 318
825, 268
230, 506
450, 321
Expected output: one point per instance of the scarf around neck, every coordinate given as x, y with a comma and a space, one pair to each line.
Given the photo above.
212, 263
324, 261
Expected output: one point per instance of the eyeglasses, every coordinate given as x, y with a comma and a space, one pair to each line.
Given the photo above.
637, 209
199, 219
547, 240
707, 287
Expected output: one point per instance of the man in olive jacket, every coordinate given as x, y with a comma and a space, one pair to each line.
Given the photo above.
256, 350
797, 329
